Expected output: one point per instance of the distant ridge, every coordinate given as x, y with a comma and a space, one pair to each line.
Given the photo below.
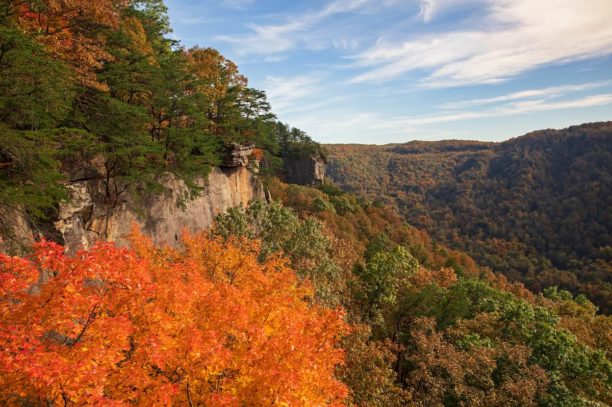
535, 207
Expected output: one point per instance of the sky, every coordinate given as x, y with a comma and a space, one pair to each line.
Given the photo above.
391, 71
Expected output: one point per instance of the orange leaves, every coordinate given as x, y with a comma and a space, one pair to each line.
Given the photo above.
208, 324
73, 30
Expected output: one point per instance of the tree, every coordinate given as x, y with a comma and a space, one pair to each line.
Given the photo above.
74, 31
222, 84
35, 90
381, 278
206, 325
369, 371
472, 373
304, 242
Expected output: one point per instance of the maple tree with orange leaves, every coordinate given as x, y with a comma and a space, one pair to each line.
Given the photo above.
206, 325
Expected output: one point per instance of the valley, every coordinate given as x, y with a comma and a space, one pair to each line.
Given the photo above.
536, 208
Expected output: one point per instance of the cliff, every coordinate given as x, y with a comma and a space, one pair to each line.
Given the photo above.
305, 170
83, 221
87, 217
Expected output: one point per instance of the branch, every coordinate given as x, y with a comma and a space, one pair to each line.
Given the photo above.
89, 321
189, 396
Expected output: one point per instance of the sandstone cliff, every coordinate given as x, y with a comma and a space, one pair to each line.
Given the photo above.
87, 217
163, 217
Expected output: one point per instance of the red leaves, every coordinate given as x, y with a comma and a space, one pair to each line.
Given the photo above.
156, 326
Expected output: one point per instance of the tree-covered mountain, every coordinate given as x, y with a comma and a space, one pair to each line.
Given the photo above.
536, 208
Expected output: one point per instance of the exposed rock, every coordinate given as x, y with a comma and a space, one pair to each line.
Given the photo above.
88, 217
237, 155
85, 219
255, 160
15, 233
305, 171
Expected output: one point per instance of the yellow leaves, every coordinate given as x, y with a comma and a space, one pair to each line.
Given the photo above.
138, 36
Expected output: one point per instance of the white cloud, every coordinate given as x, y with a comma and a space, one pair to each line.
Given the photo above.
515, 36
277, 38
427, 10
272, 59
344, 126
515, 108
284, 93
237, 4
550, 92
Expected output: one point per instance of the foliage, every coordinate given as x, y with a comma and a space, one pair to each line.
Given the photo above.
30, 172
98, 89
369, 370
209, 324
73, 31
381, 279
295, 144
35, 90
279, 229
435, 329
530, 208
108, 69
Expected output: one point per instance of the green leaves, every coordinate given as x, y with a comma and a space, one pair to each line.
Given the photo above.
36, 91
280, 230
381, 278
30, 171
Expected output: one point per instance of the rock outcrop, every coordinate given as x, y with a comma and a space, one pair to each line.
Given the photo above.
15, 232
90, 216
84, 219
305, 171
237, 155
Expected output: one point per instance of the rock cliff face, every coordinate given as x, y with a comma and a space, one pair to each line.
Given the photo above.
305, 171
87, 217
83, 220
15, 232
90, 216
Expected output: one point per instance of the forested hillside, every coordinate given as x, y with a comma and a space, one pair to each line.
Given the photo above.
327, 300
103, 81
314, 297
536, 208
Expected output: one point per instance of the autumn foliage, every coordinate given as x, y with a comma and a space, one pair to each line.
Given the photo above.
73, 30
207, 325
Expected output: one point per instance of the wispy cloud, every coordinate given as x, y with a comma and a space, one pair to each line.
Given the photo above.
237, 4
531, 106
430, 9
278, 38
427, 10
284, 93
382, 128
515, 36
550, 92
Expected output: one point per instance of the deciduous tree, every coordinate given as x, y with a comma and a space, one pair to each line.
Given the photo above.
208, 325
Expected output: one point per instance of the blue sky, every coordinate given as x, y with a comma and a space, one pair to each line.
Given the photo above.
385, 71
